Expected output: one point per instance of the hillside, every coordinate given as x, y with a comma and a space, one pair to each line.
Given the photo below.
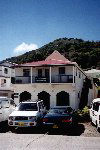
85, 53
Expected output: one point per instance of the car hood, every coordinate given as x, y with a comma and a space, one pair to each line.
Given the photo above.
24, 113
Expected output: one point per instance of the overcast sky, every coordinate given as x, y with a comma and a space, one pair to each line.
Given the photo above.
29, 24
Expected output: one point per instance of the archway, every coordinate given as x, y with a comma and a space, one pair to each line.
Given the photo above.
25, 96
62, 98
45, 97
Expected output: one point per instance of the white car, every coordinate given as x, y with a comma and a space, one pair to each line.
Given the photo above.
27, 114
7, 105
95, 112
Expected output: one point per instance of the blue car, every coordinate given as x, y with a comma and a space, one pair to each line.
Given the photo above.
60, 117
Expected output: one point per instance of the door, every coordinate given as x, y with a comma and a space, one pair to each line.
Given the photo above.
39, 73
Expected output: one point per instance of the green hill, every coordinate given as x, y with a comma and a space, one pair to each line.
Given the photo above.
85, 53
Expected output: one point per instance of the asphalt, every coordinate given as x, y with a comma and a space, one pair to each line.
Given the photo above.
84, 137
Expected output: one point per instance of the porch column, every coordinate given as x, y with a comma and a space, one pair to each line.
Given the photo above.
73, 74
50, 74
10, 74
31, 75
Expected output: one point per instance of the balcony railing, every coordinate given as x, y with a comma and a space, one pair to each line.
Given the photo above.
35, 79
62, 79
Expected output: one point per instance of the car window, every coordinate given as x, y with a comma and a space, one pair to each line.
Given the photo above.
28, 107
61, 110
5, 103
96, 106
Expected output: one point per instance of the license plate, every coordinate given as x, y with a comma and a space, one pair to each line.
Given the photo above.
21, 123
55, 126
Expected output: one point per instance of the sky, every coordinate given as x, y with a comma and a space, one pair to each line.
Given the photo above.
29, 24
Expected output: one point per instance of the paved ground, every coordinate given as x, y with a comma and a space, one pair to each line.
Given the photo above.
84, 137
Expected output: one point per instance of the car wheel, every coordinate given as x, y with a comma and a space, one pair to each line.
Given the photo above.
12, 129
98, 128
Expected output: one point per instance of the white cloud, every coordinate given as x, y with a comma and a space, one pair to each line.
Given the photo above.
24, 47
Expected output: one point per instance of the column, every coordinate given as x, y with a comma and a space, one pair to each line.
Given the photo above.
50, 74
31, 75
73, 74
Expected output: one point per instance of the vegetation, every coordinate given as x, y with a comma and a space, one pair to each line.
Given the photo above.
85, 53
83, 115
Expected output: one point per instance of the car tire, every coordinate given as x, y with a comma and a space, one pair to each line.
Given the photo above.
98, 128
12, 129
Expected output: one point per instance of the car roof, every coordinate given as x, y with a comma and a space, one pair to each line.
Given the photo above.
59, 107
32, 101
96, 100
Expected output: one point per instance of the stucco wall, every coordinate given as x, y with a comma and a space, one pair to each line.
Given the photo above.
52, 89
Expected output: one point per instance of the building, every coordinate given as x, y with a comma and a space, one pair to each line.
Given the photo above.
56, 80
94, 74
6, 72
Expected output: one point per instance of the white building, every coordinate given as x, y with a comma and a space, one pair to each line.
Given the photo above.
6, 72
56, 80
93, 73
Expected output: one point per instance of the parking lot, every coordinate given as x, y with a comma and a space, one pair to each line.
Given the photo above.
85, 136
83, 129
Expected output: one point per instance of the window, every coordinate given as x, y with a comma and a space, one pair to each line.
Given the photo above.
62, 70
96, 106
79, 74
76, 71
5, 70
26, 72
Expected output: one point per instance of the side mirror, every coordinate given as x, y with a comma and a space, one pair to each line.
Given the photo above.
0, 106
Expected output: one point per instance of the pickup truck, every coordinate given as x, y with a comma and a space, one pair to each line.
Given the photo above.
27, 114
95, 113
7, 105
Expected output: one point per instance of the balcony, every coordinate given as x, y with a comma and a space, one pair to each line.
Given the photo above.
36, 79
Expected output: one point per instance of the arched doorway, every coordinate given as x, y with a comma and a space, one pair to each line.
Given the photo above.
62, 98
45, 97
25, 96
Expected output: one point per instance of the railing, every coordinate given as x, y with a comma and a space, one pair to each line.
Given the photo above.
62, 79
21, 80
41, 80
35, 79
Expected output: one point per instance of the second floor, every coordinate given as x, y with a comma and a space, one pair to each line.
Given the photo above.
48, 74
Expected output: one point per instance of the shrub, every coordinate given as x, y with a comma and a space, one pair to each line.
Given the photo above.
83, 115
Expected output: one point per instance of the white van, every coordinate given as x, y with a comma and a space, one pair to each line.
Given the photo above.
95, 112
7, 105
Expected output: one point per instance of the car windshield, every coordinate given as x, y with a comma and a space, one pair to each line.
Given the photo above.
61, 110
27, 107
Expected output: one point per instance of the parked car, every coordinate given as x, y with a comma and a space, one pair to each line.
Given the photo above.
59, 117
27, 114
95, 113
7, 105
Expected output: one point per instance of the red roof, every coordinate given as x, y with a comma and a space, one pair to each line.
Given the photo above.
54, 59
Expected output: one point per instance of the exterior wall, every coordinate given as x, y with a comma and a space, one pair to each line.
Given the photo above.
10, 73
74, 89
54, 70
5, 81
79, 79
7, 84
52, 89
